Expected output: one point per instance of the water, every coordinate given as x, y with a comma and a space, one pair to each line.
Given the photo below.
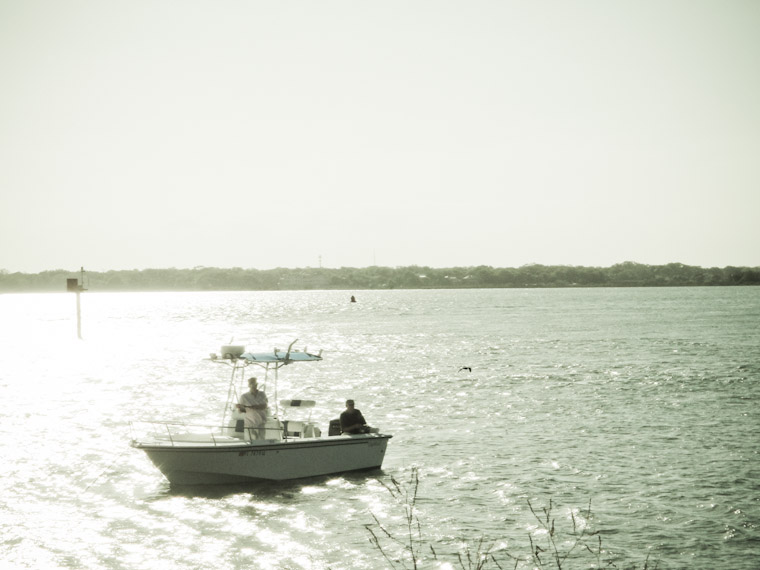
641, 402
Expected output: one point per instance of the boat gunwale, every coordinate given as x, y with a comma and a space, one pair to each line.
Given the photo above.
274, 445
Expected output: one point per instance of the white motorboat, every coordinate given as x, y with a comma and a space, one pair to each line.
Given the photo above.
284, 449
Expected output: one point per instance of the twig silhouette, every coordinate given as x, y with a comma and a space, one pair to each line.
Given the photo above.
553, 552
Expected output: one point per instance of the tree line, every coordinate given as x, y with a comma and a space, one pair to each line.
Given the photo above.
627, 274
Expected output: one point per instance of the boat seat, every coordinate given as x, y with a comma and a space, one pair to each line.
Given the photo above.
294, 428
274, 429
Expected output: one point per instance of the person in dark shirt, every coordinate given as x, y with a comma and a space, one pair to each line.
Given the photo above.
352, 420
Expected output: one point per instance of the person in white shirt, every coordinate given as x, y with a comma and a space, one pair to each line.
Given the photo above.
256, 408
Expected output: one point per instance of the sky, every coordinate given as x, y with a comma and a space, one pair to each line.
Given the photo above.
342, 133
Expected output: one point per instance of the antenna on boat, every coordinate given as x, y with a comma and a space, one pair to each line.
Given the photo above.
277, 367
287, 354
76, 285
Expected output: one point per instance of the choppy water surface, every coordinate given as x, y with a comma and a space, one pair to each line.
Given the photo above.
643, 402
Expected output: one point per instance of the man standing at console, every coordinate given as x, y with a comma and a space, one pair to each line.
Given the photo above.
256, 408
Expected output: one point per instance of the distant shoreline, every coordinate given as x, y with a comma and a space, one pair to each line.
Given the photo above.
627, 274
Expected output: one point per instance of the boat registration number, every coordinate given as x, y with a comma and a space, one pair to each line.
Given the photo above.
255, 452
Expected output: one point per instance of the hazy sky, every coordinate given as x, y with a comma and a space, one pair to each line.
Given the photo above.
153, 133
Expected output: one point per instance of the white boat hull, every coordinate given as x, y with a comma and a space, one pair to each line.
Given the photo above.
241, 461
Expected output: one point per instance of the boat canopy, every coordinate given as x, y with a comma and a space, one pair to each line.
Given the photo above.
277, 356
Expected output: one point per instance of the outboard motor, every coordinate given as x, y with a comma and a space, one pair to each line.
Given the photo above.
334, 428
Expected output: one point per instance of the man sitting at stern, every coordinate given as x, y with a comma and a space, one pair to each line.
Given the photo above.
352, 420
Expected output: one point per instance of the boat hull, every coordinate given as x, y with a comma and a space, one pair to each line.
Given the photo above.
242, 462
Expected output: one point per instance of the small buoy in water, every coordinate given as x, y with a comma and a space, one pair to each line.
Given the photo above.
353, 299
468, 368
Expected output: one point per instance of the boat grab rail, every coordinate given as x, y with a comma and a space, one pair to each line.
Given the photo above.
179, 433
